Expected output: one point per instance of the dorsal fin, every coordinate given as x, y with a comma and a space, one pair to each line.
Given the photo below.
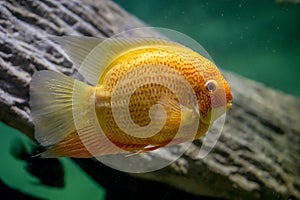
92, 55
105, 53
77, 47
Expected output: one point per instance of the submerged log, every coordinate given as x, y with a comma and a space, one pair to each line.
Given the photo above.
257, 155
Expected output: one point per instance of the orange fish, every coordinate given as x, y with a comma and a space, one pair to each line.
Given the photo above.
140, 93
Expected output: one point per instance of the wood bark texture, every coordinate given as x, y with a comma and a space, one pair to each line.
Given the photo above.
257, 155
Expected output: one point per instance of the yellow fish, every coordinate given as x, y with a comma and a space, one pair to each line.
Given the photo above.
140, 93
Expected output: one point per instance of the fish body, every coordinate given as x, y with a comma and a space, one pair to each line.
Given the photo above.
137, 99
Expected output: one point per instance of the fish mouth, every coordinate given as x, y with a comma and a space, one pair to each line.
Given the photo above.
228, 106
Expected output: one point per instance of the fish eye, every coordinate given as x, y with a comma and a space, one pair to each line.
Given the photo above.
211, 85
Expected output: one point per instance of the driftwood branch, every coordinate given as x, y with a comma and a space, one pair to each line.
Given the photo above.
257, 155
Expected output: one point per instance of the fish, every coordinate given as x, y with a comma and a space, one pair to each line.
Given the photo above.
137, 95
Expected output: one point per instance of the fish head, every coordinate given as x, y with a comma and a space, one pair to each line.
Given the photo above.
215, 96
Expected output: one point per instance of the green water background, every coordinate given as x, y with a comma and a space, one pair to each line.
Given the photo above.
257, 39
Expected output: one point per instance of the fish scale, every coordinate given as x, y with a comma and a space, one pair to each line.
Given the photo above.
134, 59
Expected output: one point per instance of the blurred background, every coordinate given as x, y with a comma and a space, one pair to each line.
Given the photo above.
257, 39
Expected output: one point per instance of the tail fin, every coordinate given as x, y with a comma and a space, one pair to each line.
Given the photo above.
51, 102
